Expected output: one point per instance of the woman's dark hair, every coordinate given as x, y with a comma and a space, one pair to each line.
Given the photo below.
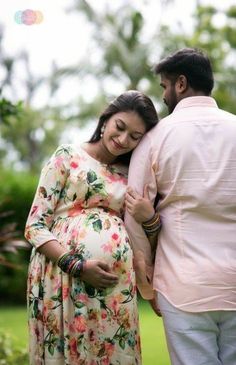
129, 101
193, 64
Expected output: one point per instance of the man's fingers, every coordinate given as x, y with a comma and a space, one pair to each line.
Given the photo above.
154, 305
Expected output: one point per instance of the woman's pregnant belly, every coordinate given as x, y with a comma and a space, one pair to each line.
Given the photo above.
97, 235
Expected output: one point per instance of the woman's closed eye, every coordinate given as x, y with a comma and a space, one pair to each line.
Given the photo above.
135, 137
120, 127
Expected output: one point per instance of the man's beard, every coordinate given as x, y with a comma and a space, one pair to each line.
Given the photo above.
172, 102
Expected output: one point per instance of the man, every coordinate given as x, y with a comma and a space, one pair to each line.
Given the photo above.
189, 159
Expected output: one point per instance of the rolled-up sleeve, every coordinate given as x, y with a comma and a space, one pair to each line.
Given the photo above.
142, 171
51, 183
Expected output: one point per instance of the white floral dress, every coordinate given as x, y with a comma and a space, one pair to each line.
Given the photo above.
80, 201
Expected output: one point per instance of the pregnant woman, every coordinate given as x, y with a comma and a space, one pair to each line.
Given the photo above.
81, 285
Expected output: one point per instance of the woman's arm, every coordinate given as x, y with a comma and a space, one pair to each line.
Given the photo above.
142, 210
52, 181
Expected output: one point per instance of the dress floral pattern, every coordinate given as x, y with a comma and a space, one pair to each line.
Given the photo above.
79, 202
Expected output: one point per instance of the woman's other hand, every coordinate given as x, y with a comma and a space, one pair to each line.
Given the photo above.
98, 274
139, 207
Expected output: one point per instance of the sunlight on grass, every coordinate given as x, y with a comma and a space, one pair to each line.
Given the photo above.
154, 349
13, 320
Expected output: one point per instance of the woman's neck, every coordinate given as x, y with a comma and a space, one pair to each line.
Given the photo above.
99, 152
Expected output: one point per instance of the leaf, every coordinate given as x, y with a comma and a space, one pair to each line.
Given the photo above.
54, 298
102, 304
41, 291
91, 176
90, 290
122, 343
59, 293
97, 225
125, 292
79, 304
98, 187
51, 349
35, 309
88, 194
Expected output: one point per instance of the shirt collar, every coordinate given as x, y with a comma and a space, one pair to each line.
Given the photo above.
201, 101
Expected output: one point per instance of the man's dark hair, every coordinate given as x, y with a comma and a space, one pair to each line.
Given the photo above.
193, 64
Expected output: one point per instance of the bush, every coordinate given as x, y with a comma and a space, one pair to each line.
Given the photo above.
9, 353
16, 192
16, 195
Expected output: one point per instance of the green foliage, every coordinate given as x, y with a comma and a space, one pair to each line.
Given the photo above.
13, 281
32, 135
218, 41
9, 241
8, 109
16, 191
9, 353
123, 57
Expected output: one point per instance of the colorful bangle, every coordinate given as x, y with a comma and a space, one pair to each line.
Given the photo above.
71, 264
152, 226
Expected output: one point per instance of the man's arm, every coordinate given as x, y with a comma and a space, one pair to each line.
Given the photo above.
141, 173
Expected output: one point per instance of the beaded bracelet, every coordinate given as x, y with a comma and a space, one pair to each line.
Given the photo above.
71, 264
153, 225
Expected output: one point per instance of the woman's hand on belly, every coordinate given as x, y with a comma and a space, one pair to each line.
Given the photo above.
98, 274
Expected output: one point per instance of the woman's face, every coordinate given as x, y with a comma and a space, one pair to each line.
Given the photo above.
123, 131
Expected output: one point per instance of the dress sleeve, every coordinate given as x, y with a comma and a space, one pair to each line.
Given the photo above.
51, 184
142, 172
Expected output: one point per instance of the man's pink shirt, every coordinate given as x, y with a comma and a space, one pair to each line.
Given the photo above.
189, 158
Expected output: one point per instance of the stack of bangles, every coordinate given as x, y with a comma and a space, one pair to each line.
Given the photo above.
153, 225
71, 264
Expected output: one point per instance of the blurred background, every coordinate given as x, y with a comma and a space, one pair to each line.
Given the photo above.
57, 73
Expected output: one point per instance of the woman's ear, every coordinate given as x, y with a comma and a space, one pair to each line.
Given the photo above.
181, 84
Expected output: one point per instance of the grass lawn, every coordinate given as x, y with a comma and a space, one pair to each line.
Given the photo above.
154, 349
14, 321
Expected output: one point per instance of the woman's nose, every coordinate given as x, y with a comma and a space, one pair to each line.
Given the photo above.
123, 139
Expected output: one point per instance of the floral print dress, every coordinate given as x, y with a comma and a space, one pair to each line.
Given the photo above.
79, 202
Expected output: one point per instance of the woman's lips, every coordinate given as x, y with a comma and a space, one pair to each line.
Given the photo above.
117, 145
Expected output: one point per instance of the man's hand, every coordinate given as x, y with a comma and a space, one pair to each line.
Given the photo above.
154, 304
98, 274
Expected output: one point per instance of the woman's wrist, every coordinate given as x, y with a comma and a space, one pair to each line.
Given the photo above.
152, 226
152, 216
71, 263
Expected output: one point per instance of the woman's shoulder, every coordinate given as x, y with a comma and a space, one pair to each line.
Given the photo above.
67, 150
